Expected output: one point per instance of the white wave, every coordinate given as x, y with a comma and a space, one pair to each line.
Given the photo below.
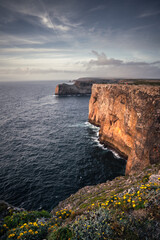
76, 125
115, 154
47, 100
88, 124
96, 139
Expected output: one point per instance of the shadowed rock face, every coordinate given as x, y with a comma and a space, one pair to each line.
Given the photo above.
80, 86
67, 89
129, 120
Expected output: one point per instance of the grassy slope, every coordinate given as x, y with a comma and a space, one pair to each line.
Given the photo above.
127, 207
84, 198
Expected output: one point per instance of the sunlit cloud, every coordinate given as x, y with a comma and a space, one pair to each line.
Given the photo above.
48, 23
32, 50
8, 39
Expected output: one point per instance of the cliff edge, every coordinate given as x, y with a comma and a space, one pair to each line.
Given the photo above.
129, 121
81, 86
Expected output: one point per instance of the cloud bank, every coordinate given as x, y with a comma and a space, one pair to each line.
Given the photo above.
56, 38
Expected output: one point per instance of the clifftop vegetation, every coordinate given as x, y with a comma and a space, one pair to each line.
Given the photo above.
127, 207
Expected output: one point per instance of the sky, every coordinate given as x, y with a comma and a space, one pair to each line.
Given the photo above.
68, 39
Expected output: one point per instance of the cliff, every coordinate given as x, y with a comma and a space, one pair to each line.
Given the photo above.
129, 120
80, 86
72, 89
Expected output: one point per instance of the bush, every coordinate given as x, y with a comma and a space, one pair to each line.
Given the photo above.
115, 224
29, 231
24, 217
62, 233
13, 225
95, 226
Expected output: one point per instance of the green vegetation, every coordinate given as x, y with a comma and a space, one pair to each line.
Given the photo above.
147, 83
25, 225
62, 233
152, 82
125, 208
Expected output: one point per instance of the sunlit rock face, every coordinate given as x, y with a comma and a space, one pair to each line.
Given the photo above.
129, 120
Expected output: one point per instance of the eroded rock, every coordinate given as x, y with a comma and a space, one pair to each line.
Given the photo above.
129, 120
81, 86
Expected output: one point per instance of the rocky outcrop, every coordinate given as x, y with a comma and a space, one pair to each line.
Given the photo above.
129, 120
72, 89
6, 209
80, 86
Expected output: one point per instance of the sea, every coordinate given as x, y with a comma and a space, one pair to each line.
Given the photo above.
48, 149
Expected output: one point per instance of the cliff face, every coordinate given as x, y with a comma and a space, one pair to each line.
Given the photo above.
72, 89
80, 86
129, 120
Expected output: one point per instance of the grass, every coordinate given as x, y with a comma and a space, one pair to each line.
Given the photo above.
124, 208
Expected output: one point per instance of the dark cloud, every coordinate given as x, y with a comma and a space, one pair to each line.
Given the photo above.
123, 29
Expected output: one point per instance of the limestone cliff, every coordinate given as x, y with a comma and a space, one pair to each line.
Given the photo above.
129, 120
80, 86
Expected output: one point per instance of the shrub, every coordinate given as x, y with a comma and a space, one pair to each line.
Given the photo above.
62, 233
24, 217
95, 226
12, 225
64, 213
29, 231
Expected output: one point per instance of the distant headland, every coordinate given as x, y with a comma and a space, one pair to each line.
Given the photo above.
82, 86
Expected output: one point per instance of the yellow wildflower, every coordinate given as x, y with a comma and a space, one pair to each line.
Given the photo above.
11, 235
35, 224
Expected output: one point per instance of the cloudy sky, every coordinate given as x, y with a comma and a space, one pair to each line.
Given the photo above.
68, 39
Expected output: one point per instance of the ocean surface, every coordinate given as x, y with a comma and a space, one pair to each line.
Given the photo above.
48, 150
